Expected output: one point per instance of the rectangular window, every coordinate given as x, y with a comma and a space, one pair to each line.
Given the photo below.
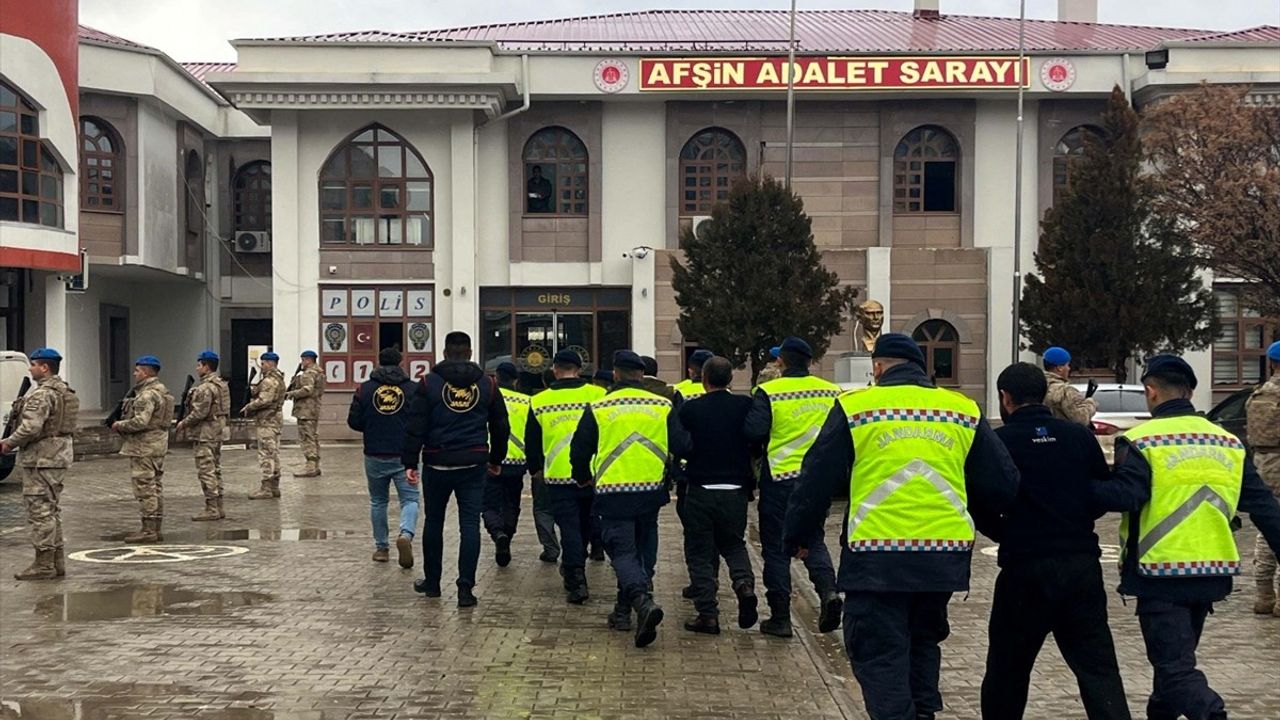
1239, 351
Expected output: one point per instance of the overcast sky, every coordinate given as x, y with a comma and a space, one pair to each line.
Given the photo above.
192, 30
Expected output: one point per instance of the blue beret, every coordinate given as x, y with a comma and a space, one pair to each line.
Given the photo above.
1273, 351
268, 355
699, 357
45, 354
1170, 365
775, 351
796, 345
507, 370
629, 360
897, 345
607, 375
309, 354
1056, 356
567, 357
208, 355
148, 360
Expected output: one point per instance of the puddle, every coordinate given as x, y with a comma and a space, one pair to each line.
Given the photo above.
284, 534
132, 601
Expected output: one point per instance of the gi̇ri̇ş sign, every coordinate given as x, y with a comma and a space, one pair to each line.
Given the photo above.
833, 73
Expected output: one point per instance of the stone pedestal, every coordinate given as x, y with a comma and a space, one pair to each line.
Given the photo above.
853, 369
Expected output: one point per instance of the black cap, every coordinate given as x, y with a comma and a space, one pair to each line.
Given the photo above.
627, 360
603, 374
389, 356
567, 357
507, 370
1170, 365
699, 357
650, 365
797, 346
897, 345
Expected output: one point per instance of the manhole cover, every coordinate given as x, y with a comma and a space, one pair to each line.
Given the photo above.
157, 553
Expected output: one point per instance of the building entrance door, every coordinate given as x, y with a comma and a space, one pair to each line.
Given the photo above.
528, 326
117, 369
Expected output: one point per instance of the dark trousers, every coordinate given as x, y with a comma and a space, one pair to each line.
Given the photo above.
502, 500
438, 485
1065, 596
777, 562
544, 521
682, 502
1171, 632
892, 639
715, 523
571, 508
632, 545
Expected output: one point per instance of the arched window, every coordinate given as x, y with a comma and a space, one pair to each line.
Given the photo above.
1068, 152
925, 177
940, 343
193, 173
710, 163
555, 173
375, 189
30, 177
251, 196
99, 166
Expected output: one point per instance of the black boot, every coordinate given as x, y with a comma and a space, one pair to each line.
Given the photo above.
620, 618
779, 622
431, 590
832, 607
575, 582
705, 624
466, 598
597, 552
689, 592
748, 605
502, 549
648, 617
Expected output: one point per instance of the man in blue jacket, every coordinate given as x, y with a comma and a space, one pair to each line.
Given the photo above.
380, 410
458, 430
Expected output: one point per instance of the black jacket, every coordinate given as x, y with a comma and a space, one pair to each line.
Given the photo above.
991, 481
457, 418
1054, 511
720, 451
759, 423
380, 410
586, 440
1130, 489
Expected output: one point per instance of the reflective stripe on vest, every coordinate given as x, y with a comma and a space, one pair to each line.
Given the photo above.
690, 389
1197, 470
907, 490
632, 452
799, 406
518, 413
558, 412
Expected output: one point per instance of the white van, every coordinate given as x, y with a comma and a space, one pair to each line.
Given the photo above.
14, 366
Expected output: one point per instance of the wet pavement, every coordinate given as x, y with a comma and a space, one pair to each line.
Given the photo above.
277, 613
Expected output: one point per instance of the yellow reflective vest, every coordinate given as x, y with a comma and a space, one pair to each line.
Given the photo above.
690, 389
907, 489
631, 455
558, 412
799, 406
1197, 470
518, 413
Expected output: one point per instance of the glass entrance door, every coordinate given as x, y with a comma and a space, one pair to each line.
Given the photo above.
535, 340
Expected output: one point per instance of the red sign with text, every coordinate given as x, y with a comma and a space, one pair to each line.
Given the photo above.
833, 73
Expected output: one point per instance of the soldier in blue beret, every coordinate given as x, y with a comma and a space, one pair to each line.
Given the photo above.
147, 415
207, 405
1062, 399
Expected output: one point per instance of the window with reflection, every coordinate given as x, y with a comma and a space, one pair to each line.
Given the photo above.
1068, 152
251, 196
940, 343
100, 165
376, 190
1240, 350
555, 173
925, 171
30, 176
710, 163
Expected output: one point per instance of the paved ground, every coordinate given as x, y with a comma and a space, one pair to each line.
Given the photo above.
299, 624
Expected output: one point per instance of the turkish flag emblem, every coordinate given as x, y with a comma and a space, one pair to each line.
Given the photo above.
362, 336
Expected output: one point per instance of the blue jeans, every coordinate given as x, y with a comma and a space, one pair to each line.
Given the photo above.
381, 472
468, 485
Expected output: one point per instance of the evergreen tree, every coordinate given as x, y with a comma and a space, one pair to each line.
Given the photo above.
752, 276
1115, 280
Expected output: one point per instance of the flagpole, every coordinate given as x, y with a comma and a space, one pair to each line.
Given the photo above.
791, 95
1017, 187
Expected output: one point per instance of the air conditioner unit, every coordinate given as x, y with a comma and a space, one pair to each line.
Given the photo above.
698, 221
256, 241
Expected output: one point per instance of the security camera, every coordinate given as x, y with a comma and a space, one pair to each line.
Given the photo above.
641, 252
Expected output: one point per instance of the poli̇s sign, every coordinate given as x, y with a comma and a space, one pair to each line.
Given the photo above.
834, 73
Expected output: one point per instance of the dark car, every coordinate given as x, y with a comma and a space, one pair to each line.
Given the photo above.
1231, 416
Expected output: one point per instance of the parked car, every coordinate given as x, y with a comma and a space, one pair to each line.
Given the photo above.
13, 367
1120, 407
1230, 414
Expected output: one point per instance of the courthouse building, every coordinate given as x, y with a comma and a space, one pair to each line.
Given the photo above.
528, 182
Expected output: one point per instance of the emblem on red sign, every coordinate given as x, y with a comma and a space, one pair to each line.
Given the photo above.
1058, 74
611, 76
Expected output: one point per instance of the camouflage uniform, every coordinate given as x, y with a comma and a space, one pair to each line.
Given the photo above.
1067, 402
1263, 414
306, 391
265, 409
46, 420
207, 408
145, 427
772, 371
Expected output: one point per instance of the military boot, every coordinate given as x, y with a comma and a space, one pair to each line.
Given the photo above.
60, 561
222, 515
832, 611
41, 569
150, 533
620, 618
575, 582
779, 622
648, 617
1264, 602
275, 486
210, 511
311, 469
264, 492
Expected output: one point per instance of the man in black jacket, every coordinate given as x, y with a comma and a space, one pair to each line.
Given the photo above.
380, 411
458, 430
715, 512
1050, 579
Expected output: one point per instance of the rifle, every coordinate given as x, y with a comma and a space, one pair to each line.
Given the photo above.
118, 413
248, 386
12, 421
186, 399
293, 383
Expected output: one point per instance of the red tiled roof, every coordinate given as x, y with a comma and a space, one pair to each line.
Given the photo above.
817, 31
94, 35
198, 70
1259, 34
